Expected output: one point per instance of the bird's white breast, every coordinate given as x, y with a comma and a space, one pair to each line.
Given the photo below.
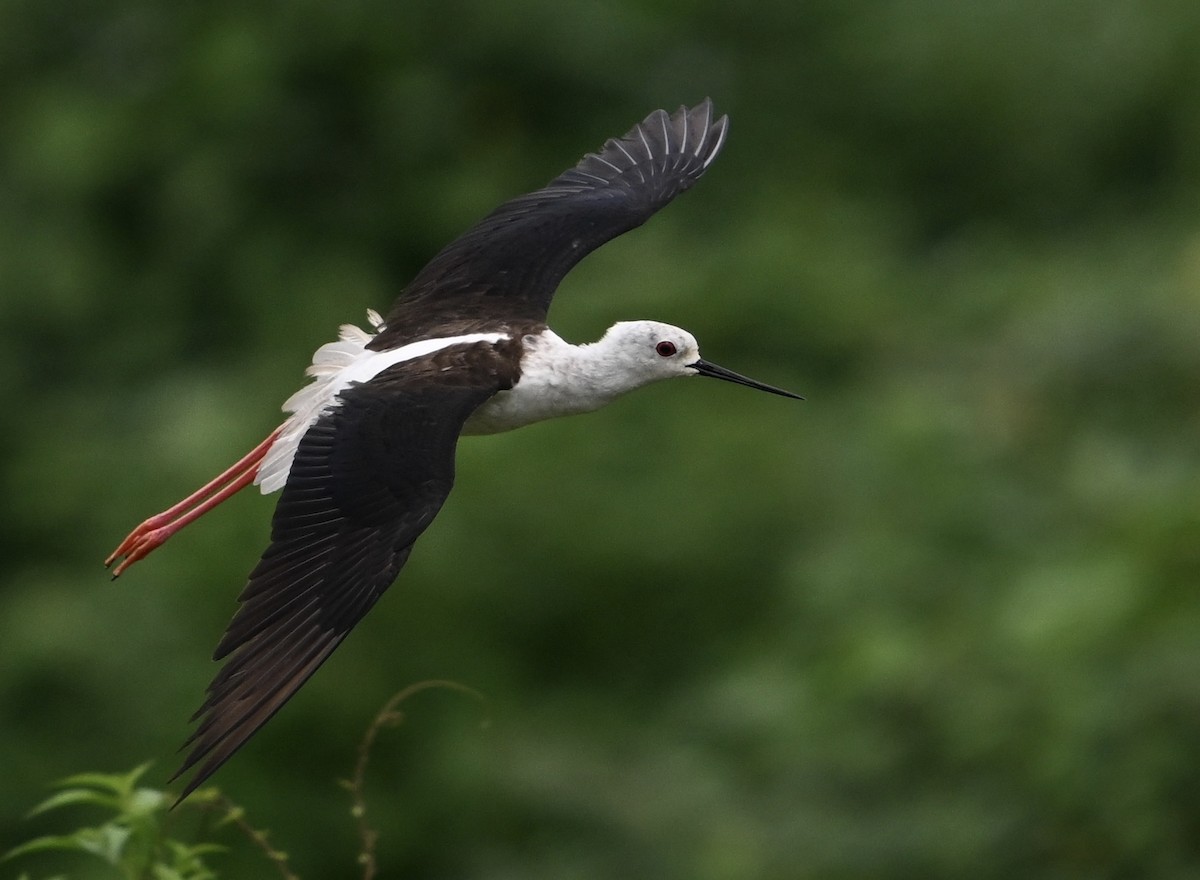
335, 366
557, 379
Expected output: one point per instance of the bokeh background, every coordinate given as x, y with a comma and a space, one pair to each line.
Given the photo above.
939, 620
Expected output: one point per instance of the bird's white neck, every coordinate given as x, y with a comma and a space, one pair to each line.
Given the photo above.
558, 379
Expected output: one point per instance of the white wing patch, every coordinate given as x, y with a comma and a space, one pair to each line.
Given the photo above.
335, 366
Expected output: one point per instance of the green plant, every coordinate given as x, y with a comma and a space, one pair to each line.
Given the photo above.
139, 835
146, 834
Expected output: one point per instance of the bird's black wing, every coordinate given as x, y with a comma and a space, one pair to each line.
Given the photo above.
368, 478
509, 264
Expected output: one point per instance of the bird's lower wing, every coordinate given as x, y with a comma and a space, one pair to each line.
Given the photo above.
367, 479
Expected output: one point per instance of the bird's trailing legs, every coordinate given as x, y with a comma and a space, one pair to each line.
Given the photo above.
152, 533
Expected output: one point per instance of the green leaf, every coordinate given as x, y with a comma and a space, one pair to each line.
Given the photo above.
145, 800
234, 814
120, 784
187, 861
106, 842
71, 796
43, 844
182, 850
202, 797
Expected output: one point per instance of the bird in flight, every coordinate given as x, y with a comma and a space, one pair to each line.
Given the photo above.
366, 457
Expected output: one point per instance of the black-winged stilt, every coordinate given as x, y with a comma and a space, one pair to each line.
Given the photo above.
366, 458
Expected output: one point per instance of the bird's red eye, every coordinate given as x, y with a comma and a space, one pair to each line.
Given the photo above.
665, 348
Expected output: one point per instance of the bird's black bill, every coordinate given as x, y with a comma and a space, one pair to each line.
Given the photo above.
704, 368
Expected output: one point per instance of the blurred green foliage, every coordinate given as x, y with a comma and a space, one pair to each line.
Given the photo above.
940, 620
134, 835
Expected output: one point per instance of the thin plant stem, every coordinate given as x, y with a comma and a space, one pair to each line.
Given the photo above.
389, 716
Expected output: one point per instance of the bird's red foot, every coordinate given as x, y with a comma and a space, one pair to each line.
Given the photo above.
153, 533
139, 543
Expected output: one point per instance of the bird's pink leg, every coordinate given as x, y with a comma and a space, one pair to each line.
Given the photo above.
152, 533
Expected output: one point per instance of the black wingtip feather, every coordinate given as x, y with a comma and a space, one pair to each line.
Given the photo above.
675, 148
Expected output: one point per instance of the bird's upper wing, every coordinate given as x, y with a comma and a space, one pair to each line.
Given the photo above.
509, 264
369, 476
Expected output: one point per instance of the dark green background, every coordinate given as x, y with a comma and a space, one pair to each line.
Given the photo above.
939, 620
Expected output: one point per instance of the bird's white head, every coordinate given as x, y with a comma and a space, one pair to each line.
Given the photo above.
641, 352
647, 351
